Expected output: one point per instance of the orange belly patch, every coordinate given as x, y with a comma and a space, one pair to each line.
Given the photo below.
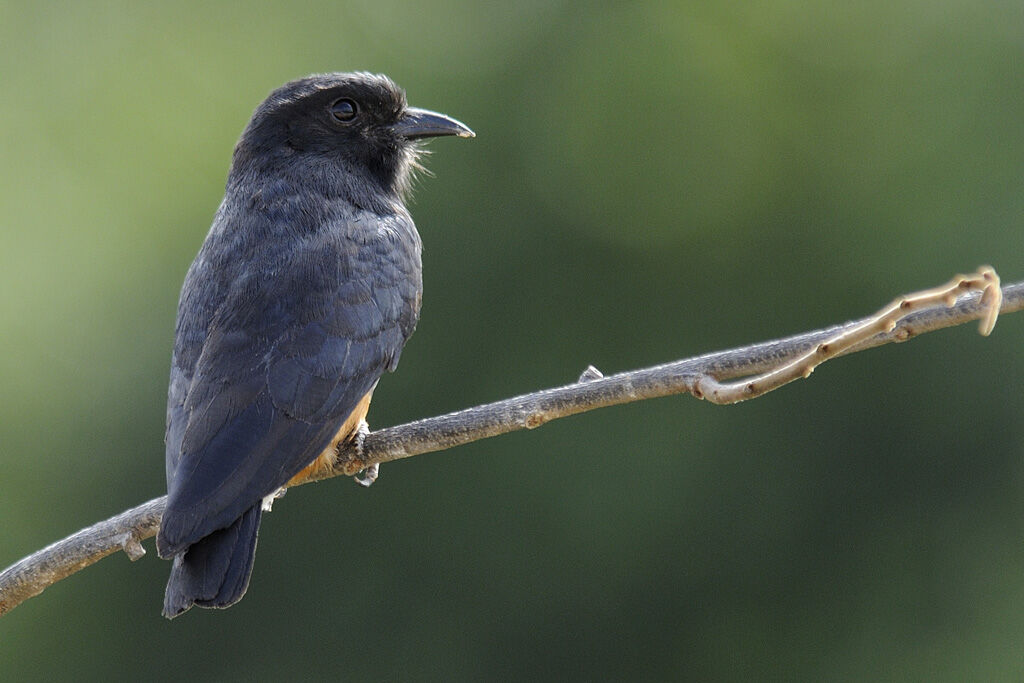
324, 462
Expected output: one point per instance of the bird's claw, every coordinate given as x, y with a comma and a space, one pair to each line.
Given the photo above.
268, 502
367, 475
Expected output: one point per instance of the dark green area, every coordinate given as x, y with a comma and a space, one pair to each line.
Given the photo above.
648, 182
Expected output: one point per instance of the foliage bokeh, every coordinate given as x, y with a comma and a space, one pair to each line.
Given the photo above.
649, 181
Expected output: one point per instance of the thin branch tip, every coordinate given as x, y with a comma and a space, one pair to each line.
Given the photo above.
985, 280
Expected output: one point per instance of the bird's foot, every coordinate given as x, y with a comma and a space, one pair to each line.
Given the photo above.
268, 502
369, 474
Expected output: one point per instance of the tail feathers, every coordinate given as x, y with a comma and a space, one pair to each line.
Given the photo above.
214, 572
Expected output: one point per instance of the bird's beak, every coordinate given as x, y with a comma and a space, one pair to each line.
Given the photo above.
420, 123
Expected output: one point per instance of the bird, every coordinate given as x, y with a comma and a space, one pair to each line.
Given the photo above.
303, 294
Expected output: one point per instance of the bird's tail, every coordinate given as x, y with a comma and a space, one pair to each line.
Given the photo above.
215, 571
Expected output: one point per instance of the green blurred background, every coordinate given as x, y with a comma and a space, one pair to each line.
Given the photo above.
648, 182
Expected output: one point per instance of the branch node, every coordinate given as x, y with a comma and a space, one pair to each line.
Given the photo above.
533, 420
590, 374
992, 298
710, 389
131, 546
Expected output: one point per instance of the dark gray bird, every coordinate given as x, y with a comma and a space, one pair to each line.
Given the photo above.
304, 292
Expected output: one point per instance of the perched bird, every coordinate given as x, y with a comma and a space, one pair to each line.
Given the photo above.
305, 291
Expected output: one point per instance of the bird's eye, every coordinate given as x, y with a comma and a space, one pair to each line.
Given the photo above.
344, 110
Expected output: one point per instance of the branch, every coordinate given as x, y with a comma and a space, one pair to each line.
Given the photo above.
33, 574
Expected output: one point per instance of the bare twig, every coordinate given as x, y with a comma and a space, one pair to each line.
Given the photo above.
33, 574
985, 281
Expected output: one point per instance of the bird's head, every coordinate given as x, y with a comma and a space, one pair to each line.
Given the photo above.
357, 121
